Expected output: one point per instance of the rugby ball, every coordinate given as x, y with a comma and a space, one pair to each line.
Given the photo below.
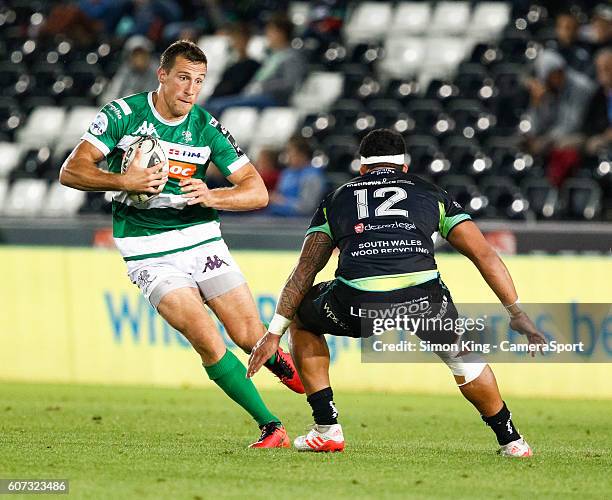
152, 154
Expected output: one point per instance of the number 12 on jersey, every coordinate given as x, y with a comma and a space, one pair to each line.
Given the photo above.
385, 208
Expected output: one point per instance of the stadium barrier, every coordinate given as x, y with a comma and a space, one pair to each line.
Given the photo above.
71, 315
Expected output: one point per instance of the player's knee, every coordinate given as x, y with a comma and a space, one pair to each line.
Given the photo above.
465, 368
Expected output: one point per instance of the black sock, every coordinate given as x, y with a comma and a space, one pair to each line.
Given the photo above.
502, 426
323, 408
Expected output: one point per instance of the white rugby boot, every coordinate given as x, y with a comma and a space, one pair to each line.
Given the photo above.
321, 438
519, 449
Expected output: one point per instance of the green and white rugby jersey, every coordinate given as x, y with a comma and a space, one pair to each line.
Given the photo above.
165, 224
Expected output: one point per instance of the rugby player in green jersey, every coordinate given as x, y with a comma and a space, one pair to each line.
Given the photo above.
172, 244
388, 208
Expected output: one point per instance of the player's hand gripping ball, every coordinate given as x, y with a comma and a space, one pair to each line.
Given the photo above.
151, 155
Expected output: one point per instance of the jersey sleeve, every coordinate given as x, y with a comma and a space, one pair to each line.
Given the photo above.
107, 128
225, 152
319, 221
451, 214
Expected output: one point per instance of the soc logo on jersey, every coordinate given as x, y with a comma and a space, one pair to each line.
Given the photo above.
359, 228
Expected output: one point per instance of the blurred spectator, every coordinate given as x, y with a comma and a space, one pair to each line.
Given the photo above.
300, 186
567, 44
599, 31
559, 98
325, 20
281, 72
239, 72
108, 12
138, 73
148, 18
70, 20
597, 126
268, 167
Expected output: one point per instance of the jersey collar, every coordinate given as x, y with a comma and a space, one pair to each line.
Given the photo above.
160, 117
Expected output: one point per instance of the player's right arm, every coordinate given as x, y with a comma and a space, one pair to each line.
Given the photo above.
80, 171
467, 239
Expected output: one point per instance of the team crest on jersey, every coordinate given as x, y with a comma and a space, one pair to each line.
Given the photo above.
186, 136
147, 129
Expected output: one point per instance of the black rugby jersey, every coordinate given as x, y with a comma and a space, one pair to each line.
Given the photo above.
383, 223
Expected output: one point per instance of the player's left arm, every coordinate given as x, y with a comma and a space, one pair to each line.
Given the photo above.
247, 193
316, 251
467, 239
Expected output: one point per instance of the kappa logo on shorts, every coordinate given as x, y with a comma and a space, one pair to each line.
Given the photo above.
213, 263
144, 280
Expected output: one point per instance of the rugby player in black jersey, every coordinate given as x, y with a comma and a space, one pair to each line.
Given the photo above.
386, 208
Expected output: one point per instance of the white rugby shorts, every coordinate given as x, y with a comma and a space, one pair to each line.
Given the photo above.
209, 268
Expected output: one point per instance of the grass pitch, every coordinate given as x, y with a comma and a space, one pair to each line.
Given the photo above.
126, 442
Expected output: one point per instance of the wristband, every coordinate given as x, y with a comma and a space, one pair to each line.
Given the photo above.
511, 306
278, 325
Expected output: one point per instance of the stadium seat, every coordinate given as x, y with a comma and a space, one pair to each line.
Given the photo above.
77, 122
505, 199
216, 48
319, 91
449, 18
354, 76
443, 55
368, 22
86, 80
385, 112
10, 115
299, 13
366, 54
581, 199
470, 79
4, 186
341, 151
34, 163
44, 76
345, 113
425, 113
403, 90
471, 114
10, 74
421, 149
25, 198
10, 153
317, 125
43, 127
62, 201
275, 126
410, 18
463, 190
542, 196
461, 153
334, 55
242, 123
403, 57
488, 20
95, 203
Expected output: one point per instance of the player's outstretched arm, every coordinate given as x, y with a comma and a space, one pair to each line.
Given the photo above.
80, 171
467, 239
316, 251
247, 193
